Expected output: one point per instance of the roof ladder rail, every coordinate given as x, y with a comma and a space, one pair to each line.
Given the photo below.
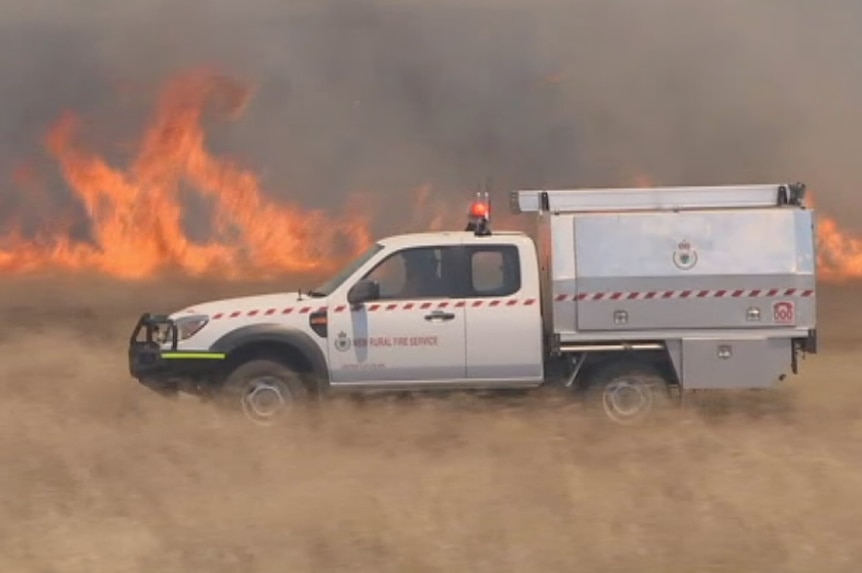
657, 198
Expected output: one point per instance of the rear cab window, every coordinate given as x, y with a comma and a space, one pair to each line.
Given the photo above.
495, 270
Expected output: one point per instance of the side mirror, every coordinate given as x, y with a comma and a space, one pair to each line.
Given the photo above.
363, 291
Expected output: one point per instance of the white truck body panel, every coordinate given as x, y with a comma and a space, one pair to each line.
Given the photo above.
602, 264
389, 342
488, 342
504, 341
703, 270
373, 344
287, 309
755, 362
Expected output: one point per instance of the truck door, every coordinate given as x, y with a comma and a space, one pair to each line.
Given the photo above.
414, 332
504, 320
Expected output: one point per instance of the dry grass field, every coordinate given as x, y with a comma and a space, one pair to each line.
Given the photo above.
270, 136
98, 475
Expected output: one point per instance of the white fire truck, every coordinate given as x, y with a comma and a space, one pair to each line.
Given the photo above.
628, 295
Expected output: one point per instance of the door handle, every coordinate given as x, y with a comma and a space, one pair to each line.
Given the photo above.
440, 315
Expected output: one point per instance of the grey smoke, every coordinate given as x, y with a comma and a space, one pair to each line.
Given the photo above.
385, 96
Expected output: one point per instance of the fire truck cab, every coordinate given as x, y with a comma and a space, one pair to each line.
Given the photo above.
624, 294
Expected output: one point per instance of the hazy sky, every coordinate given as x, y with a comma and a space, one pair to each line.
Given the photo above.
386, 96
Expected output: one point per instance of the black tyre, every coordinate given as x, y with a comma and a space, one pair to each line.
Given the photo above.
264, 390
629, 392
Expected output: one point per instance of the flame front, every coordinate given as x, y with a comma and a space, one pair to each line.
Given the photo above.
839, 254
136, 214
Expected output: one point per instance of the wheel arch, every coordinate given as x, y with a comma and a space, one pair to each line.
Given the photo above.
278, 342
602, 361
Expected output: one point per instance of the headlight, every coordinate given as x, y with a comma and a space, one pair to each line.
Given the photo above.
188, 326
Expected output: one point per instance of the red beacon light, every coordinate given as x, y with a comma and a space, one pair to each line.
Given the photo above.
479, 216
478, 210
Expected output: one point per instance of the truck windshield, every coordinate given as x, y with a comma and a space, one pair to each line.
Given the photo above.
326, 288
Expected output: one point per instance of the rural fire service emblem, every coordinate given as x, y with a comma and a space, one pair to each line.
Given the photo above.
342, 342
684, 257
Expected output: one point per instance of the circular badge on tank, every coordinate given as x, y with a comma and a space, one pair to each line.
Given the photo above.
685, 256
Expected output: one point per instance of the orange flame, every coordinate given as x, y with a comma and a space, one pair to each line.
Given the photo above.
136, 214
839, 254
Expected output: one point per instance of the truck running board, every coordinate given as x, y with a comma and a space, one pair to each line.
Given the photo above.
621, 347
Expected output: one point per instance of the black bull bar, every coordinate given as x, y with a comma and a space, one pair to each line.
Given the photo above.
151, 324
145, 351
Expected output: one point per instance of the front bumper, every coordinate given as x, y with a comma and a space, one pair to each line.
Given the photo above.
171, 370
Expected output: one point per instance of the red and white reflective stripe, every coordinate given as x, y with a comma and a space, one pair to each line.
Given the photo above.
513, 302
381, 307
674, 294
374, 307
267, 312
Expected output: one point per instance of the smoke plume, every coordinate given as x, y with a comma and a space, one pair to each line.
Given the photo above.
383, 96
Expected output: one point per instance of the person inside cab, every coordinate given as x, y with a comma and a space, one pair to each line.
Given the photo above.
422, 275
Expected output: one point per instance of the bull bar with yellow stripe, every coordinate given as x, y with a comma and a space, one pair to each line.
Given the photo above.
166, 370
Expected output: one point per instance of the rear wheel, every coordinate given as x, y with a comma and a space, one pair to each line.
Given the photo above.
264, 390
629, 392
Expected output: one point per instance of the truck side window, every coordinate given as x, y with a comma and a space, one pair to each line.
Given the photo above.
495, 270
416, 273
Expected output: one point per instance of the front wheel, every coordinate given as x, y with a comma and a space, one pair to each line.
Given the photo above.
264, 390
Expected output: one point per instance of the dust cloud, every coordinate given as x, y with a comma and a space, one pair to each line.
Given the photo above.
382, 96
98, 474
